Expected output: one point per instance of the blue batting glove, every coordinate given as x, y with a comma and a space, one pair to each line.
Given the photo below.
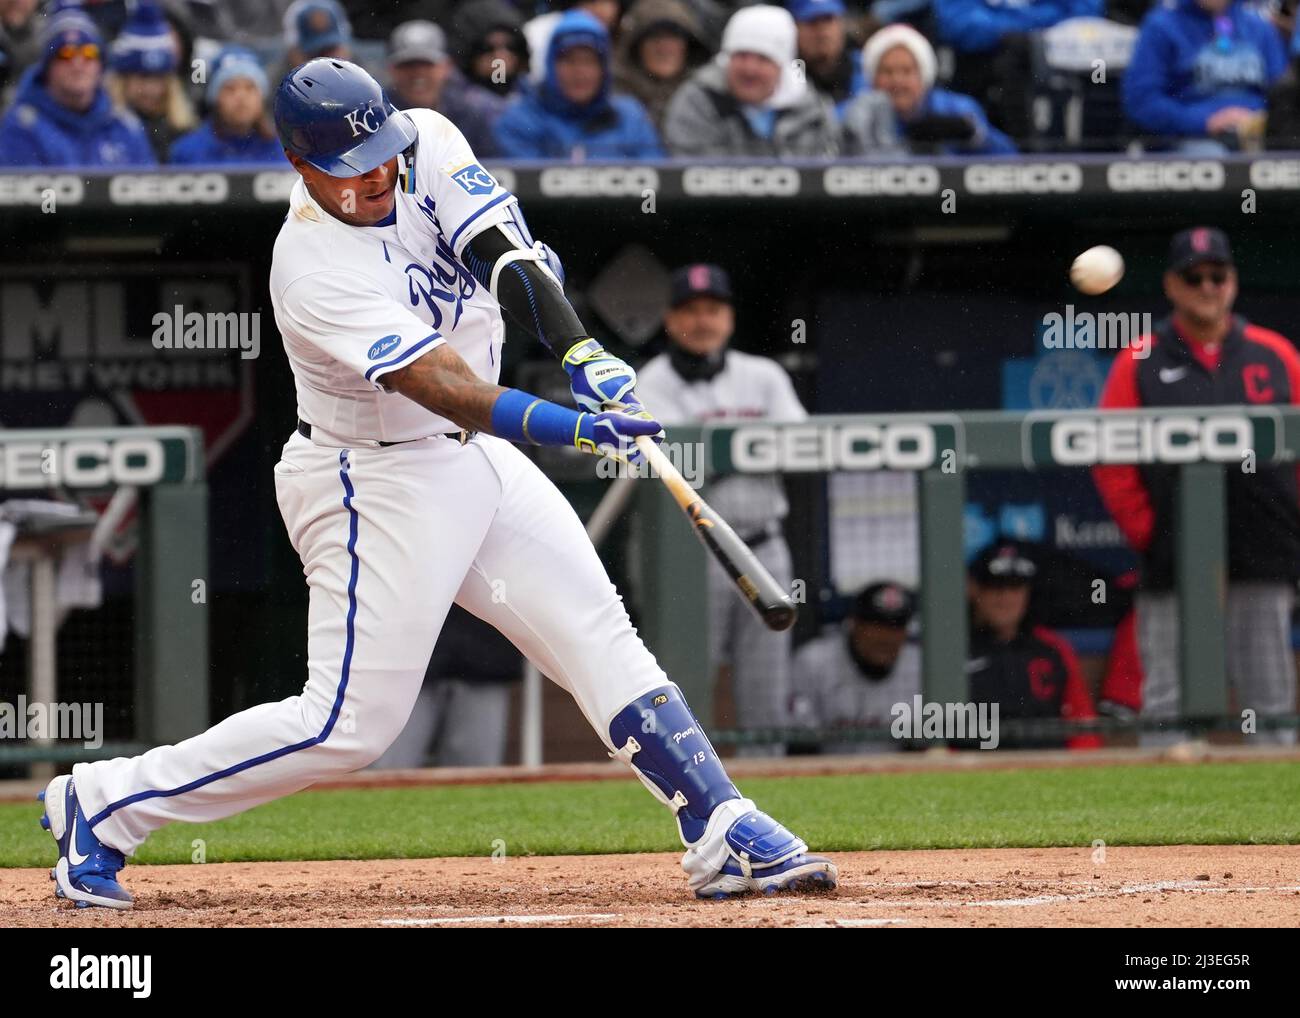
613, 433
599, 380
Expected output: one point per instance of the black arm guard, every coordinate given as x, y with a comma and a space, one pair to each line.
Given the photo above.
527, 292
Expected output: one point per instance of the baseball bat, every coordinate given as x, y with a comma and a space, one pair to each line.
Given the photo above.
756, 585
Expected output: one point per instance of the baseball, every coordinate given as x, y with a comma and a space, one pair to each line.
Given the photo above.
1097, 270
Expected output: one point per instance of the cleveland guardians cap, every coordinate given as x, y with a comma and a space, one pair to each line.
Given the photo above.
1199, 244
890, 604
1004, 563
699, 280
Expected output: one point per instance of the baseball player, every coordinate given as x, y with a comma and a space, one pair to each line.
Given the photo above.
853, 675
699, 380
402, 493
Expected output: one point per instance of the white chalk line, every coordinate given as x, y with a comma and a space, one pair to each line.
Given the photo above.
527, 919
1189, 886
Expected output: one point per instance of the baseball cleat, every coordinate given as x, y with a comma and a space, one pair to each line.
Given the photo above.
763, 857
800, 874
87, 868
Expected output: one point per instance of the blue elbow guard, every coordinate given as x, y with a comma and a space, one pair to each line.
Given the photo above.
658, 736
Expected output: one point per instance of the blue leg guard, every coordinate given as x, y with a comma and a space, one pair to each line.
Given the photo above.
731, 847
659, 737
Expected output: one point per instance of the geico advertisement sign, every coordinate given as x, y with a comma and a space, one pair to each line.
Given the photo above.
1219, 439
81, 463
811, 447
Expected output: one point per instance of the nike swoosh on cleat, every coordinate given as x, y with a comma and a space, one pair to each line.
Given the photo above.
74, 857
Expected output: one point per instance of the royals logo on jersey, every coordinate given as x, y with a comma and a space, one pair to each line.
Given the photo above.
473, 179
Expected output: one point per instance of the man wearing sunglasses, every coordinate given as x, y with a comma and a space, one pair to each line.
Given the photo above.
62, 115
1203, 354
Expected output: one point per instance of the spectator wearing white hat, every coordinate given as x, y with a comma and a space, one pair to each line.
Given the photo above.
237, 128
900, 64
752, 100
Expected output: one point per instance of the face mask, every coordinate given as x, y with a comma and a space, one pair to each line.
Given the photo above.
695, 367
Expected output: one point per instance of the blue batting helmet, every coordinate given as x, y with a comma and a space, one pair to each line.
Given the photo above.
333, 114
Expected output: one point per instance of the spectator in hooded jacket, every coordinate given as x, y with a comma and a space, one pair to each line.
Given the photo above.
831, 64
900, 63
538, 30
143, 61
978, 26
488, 45
572, 114
62, 115
237, 130
422, 74
1202, 69
660, 43
752, 100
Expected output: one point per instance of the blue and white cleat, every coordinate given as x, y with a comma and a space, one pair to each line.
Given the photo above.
765, 858
87, 868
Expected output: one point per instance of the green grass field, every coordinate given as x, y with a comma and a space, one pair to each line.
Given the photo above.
1156, 805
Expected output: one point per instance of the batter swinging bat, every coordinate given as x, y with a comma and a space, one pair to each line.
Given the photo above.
756, 584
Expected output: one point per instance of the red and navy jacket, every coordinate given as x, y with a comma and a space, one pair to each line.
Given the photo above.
1035, 675
1255, 366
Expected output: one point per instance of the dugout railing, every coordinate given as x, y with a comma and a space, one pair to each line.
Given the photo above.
162, 469
942, 449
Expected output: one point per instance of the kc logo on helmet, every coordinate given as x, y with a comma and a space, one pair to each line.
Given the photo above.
360, 121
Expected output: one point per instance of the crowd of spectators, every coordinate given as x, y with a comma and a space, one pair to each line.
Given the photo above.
138, 82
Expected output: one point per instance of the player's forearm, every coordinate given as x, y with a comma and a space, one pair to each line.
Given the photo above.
442, 382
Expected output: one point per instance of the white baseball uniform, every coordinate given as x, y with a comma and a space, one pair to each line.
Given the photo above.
390, 536
748, 388
831, 692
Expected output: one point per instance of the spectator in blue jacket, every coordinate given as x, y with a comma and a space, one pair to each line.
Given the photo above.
1202, 69
61, 113
976, 26
901, 66
572, 114
237, 130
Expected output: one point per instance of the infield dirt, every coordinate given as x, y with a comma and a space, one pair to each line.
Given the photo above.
1186, 885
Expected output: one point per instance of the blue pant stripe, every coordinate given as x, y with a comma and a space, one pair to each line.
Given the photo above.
275, 754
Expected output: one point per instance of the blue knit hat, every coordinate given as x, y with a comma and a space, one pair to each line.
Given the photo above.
235, 62
145, 45
68, 27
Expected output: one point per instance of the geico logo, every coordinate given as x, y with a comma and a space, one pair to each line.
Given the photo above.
1275, 174
81, 463
1170, 176
1151, 440
597, 181
829, 447
752, 181
273, 187
852, 180
168, 189
1024, 178
31, 190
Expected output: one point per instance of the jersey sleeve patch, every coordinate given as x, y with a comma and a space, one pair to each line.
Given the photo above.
471, 178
